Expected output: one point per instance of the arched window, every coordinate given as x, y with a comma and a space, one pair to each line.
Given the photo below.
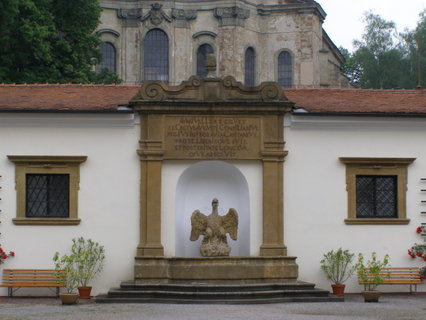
203, 51
249, 67
109, 57
156, 56
285, 76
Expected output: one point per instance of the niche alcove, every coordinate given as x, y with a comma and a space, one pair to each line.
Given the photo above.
196, 187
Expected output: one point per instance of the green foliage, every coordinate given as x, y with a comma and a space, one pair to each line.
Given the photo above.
338, 266
49, 41
370, 272
105, 76
385, 59
70, 276
83, 264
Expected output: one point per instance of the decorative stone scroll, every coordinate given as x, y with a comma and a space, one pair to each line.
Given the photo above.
231, 16
135, 13
201, 89
156, 15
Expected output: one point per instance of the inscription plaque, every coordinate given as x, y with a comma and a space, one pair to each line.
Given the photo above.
212, 137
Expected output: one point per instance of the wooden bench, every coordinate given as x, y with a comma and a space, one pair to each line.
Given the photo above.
404, 275
41, 278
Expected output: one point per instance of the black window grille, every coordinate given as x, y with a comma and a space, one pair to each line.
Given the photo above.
203, 51
47, 196
376, 196
156, 56
108, 57
249, 74
285, 72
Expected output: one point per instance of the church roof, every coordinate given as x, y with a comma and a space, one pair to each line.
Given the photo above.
114, 98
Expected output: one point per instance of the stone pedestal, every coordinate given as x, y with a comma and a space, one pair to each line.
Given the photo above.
222, 270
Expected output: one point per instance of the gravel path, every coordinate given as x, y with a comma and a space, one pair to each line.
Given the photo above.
391, 307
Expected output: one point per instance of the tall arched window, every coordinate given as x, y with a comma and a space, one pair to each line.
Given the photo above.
249, 67
203, 51
156, 56
285, 74
109, 57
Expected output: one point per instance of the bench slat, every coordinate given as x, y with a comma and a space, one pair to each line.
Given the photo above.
399, 275
33, 278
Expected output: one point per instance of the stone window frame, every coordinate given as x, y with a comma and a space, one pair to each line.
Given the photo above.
277, 57
248, 48
199, 39
113, 37
46, 165
381, 167
104, 63
142, 58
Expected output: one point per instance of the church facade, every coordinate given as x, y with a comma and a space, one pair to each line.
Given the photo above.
254, 41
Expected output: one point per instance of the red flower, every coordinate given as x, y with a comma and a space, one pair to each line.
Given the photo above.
419, 254
419, 229
12, 253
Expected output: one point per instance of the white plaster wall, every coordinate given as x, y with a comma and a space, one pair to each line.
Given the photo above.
315, 197
108, 203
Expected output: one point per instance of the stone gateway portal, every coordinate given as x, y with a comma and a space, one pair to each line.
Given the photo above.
212, 121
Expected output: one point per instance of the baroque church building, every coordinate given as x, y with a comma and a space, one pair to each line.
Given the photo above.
254, 41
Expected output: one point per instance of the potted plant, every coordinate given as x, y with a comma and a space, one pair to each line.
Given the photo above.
88, 257
370, 274
338, 267
64, 268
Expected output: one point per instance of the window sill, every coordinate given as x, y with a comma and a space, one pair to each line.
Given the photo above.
377, 221
46, 221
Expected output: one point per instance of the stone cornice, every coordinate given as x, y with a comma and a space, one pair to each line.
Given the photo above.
211, 95
306, 8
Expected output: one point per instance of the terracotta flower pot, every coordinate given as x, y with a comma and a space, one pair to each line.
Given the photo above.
338, 289
84, 292
68, 298
371, 296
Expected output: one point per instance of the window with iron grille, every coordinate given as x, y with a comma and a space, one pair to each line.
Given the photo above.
108, 57
156, 56
47, 189
285, 72
376, 196
249, 66
202, 53
47, 195
377, 190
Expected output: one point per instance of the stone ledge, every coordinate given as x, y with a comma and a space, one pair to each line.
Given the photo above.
216, 269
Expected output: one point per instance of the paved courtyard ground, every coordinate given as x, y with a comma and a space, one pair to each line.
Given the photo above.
391, 307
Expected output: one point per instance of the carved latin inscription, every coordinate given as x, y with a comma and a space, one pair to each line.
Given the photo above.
212, 137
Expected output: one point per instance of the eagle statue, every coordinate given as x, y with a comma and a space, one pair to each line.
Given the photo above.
214, 229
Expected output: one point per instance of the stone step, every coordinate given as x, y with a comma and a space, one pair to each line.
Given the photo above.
208, 287
108, 299
131, 292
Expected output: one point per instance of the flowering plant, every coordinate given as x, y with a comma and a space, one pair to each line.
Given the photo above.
422, 272
4, 255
